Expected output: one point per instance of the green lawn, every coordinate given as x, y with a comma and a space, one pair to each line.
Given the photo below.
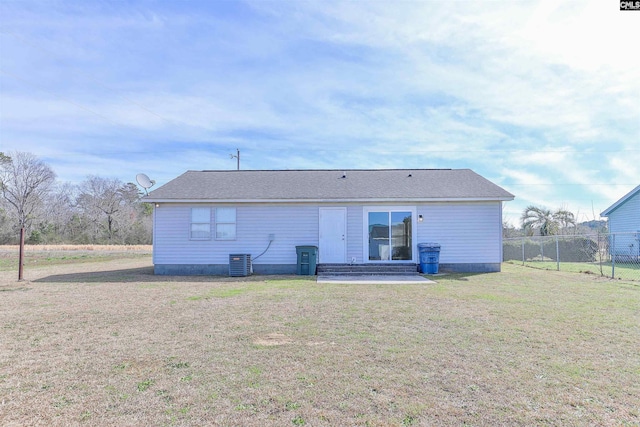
624, 271
111, 344
39, 258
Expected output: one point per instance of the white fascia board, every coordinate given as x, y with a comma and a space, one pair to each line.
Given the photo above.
420, 200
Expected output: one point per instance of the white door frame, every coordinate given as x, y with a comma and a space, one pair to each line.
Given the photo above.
332, 257
365, 232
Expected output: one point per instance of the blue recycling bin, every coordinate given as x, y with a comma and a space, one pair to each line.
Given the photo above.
429, 257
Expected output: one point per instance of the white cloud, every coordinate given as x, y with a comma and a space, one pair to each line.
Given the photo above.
537, 96
586, 35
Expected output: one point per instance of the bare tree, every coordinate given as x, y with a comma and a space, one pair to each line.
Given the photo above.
509, 231
6, 229
135, 217
7, 224
99, 210
57, 216
110, 206
24, 182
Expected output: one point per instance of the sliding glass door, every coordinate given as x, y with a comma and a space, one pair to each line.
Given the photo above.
390, 234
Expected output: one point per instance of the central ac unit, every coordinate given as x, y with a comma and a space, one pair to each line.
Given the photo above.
239, 265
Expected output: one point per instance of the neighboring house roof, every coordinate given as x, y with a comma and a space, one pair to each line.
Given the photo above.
620, 202
394, 185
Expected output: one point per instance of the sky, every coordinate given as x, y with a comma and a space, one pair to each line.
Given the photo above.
540, 97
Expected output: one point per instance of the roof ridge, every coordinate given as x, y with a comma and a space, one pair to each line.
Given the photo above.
328, 170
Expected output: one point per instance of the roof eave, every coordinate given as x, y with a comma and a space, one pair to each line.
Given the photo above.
360, 200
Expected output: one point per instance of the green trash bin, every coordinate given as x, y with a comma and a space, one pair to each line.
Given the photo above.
307, 260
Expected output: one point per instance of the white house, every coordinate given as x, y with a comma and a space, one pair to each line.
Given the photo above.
624, 224
352, 216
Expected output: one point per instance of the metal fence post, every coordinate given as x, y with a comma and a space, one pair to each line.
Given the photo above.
599, 252
588, 252
557, 253
613, 256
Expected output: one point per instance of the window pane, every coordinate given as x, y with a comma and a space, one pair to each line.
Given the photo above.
200, 231
226, 215
225, 231
200, 214
378, 236
401, 235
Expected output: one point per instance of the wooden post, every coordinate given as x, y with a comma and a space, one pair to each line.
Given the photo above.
21, 257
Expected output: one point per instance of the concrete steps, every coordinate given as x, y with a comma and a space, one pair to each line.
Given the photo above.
376, 269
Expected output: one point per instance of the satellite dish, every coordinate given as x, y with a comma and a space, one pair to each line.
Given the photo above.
144, 181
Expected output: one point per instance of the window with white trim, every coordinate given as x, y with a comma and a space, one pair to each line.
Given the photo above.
225, 223
389, 233
200, 224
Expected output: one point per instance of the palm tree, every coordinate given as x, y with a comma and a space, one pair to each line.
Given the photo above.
564, 218
542, 218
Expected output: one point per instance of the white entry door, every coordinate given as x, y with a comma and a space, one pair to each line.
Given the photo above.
333, 236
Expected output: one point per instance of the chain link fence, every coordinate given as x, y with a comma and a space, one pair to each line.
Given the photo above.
615, 255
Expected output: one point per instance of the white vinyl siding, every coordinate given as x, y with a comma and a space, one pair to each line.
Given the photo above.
624, 222
467, 232
354, 234
626, 218
293, 225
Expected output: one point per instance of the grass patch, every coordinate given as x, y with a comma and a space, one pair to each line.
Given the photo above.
219, 293
521, 347
623, 271
42, 256
144, 385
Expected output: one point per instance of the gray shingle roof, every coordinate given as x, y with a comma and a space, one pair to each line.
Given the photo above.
329, 185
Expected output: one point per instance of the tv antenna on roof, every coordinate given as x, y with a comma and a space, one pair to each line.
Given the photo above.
237, 156
145, 182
